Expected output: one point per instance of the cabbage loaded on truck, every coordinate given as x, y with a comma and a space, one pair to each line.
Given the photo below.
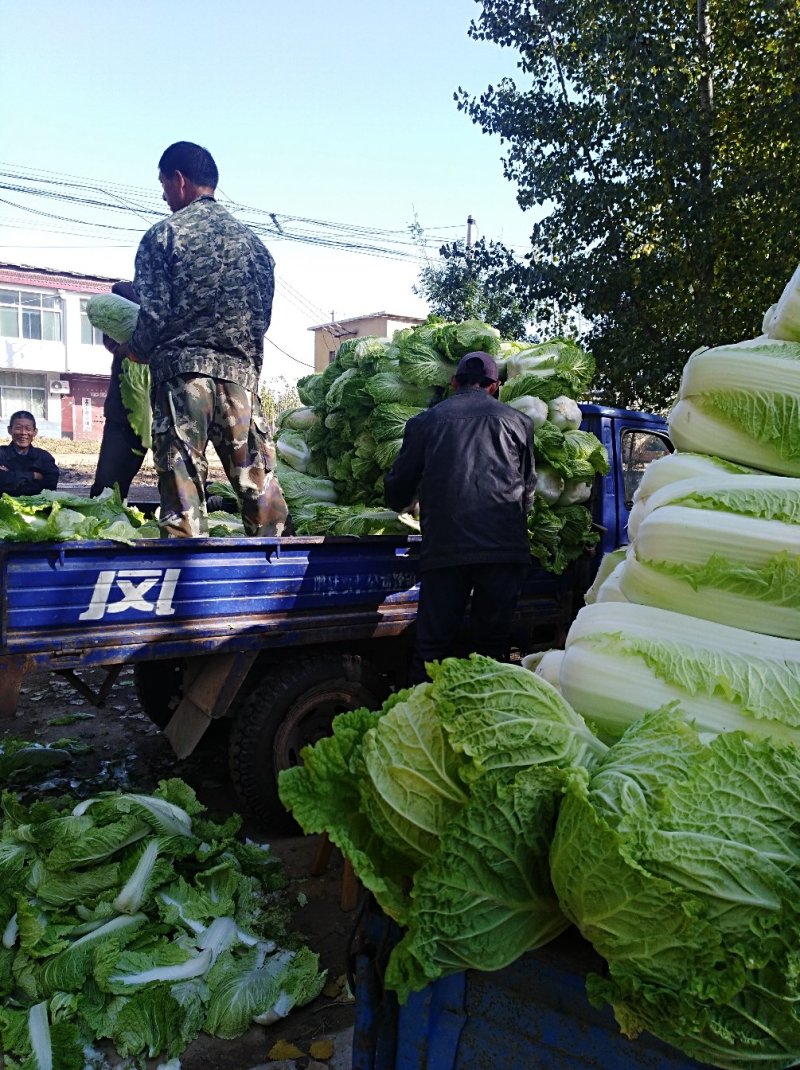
280, 635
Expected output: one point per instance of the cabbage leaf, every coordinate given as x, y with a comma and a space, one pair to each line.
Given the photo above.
680, 862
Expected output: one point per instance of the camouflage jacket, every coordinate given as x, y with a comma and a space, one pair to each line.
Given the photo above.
206, 284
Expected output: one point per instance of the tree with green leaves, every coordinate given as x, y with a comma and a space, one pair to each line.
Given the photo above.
468, 284
659, 141
277, 395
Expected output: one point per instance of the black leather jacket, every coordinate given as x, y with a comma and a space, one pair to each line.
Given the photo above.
469, 461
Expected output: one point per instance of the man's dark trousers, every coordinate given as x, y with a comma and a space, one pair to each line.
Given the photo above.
443, 597
121, 457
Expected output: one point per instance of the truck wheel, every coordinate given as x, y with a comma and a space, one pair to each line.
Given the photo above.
286, 710
159, 688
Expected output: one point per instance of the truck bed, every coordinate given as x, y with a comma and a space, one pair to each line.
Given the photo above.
79, 604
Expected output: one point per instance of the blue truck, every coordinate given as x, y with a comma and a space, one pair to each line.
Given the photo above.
278, 635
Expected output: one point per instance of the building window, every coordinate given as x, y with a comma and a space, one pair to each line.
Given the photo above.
90, 336
24, 314
22, 390
331, 356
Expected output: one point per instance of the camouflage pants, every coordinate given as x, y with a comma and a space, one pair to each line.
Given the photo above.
189, 411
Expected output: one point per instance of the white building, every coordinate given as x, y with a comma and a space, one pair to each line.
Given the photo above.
52, 361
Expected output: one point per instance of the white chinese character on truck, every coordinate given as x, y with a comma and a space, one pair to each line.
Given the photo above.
147, 590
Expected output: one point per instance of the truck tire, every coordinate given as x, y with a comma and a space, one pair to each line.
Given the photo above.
287, 709
159, 688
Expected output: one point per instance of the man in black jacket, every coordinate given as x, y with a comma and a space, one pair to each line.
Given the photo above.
469, 463
24, 468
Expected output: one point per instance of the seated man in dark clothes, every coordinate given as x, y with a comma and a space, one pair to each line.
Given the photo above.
24, 468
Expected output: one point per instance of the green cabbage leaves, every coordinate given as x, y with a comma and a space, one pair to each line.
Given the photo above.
373, 387
680, 861
135, 918
451, 790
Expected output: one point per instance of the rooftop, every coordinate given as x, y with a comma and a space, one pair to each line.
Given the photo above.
339, 325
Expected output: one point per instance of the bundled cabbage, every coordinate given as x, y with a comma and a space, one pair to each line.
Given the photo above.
293, 449
298, 419
113, 315
560, 534
547, 370
534, 408
116, 317
622, 660
330, 519
671, 468
725, 549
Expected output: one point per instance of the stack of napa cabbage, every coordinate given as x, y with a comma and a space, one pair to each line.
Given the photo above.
711, 538
711, 541
677, 856
350, 429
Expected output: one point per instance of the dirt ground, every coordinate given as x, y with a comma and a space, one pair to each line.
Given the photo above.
77, 460
129, 752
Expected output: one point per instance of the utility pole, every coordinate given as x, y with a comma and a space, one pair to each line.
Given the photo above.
470, 225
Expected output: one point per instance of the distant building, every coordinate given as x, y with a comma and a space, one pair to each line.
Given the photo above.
329, 336
52, 361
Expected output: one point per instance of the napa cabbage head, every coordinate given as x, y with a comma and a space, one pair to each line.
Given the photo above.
741, 402
450, 791
114, 315
680, 862
724, 549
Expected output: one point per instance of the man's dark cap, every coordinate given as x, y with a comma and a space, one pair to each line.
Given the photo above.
473, 363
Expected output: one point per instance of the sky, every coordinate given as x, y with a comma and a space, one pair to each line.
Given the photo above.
331, 110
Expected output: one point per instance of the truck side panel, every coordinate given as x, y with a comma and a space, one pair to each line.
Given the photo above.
82, 603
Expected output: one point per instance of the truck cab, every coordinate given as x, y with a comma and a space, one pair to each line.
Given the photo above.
633, 440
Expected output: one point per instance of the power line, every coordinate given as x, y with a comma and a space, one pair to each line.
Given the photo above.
115, 197
289, 355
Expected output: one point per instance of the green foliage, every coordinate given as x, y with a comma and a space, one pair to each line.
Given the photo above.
462, 286
277, 396
668, 172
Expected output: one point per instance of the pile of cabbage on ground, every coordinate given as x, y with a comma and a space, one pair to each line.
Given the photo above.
334, 451
137, 920
643, 783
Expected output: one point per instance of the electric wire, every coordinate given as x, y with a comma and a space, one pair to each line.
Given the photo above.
86, 194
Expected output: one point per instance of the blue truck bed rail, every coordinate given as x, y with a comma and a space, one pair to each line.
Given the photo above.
532, 1015
81, 604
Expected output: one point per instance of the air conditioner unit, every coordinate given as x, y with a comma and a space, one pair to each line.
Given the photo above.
59, 386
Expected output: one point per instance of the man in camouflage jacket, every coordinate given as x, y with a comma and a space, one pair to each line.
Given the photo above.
205, 285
